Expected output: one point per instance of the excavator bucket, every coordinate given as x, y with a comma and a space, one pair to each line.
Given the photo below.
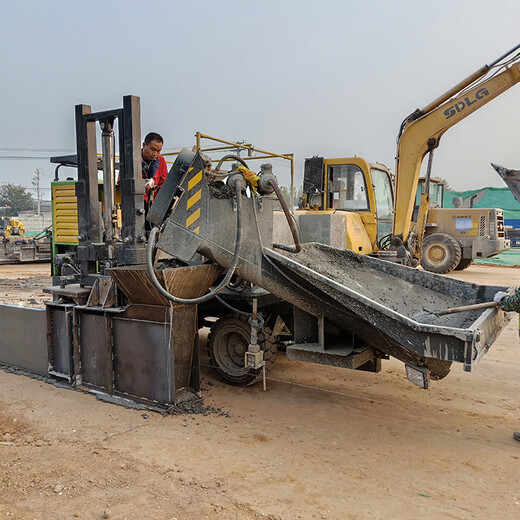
511, 178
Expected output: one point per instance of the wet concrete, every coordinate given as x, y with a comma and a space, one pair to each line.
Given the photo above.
408, 299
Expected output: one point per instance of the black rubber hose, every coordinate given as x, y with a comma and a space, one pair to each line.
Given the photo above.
236, 256
231, 308
297, 247
231, 156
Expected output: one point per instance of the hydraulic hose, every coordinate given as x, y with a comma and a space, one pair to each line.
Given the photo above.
297, 247
214, 173
231, 156
236, 256
288, 215
260, 320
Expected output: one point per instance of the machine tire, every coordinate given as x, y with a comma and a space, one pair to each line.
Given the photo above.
464, 264
228, 341
441, 253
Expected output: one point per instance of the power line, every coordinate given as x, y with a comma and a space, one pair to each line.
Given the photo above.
24, 157
36, 149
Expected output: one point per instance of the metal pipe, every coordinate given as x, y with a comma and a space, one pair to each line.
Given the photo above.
267, 155
245, 146
454, 90
254, 331
292, 185
108, 177
474, 307
465, 82
256, 157
492, 64
255, 308
428, 172
214, 148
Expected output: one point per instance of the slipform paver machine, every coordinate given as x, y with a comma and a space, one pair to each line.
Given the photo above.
124, 322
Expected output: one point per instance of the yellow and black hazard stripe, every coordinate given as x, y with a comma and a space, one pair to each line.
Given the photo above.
193, 200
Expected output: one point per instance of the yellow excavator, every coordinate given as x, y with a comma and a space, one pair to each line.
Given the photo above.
11, 226
355, 199
17, 227
420, 134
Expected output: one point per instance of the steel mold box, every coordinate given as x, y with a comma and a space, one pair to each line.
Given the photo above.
60, 340
144, 352
93, 349
143, 360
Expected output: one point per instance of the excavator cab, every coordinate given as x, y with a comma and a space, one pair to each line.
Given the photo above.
355, 186
348, 188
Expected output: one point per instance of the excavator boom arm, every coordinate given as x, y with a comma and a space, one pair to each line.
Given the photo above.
422, 131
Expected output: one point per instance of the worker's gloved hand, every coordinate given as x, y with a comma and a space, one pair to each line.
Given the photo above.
509, 303
499, 296
149, 184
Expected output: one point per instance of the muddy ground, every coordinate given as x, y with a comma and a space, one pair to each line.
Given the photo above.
321, 443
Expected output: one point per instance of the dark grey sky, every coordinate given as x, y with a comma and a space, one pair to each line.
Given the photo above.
333, 78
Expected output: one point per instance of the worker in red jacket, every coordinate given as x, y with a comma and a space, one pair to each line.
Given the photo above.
153, 164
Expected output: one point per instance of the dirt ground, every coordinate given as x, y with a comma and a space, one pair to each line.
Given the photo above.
320, 443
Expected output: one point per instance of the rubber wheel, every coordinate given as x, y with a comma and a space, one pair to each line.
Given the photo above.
229, 340
441, 253
464, 264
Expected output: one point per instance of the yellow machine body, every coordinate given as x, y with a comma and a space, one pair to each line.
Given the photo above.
357, 192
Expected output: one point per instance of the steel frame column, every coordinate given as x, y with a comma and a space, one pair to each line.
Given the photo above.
133, 250
89, 210
93, 248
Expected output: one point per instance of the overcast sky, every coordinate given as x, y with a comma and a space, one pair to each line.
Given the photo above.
332, 78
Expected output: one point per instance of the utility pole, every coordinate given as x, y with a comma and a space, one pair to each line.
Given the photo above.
37, 183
